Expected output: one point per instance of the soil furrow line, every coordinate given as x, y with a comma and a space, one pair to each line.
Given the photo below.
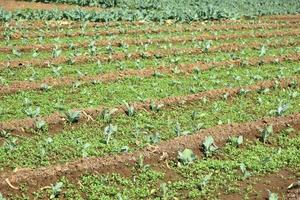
52, 25
153, 155
118, 43
226, 47
19, 86
57, 120
155, 31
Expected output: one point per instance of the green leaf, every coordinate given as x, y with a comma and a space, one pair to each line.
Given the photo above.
186, 157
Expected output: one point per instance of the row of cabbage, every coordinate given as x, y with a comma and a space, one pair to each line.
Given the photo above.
179, 10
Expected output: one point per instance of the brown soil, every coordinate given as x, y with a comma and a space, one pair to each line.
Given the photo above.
172, 29
225, 47
56, 120
13, 5
174, 39
19, 86
280, 17
37, 178
276, 182
37, 24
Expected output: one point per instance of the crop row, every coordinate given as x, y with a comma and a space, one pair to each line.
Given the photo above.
11, 35
22, 86
193, 36
145, 127
41, 103
151, 54
209, 178
122, 163
164, 10
59, 25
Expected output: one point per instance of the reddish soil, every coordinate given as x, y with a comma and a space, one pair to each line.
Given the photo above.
225, 47
157, 30
175, 39
36, 25
12, 5
41, 177
19, 86
276, 182
56, 120
280, 17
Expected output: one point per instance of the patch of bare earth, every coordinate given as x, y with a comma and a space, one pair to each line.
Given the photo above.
12, 5
260, 186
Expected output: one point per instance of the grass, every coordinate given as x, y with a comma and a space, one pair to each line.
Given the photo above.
134, 48
34, 74
110, 94
210, 178
45, 149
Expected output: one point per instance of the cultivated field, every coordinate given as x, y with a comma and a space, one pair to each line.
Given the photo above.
141, 109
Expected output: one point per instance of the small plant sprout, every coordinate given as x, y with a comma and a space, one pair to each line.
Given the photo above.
236, 141
73, 116
10, 144
244, 170
281, 109
56, 52
178, 130
207, 46
4, 134
56, 190
33, 112
130, 109
56, 71
16, 52
155, 107
40, 124
186, 157
45, 87
203, 182
154, 138
208, 146
265, 133
84, 150
164, 191
272, 196
263, 51
141, 164
106, 114
109, 131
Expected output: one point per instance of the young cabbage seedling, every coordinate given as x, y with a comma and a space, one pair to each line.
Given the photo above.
272, 196
244, 170
56, 190
208, 146
265, 133
236, 141
109, 131
130, 109
31, 112
40, 124
186, 157
73, 116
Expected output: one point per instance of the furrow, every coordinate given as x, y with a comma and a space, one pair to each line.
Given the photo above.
20, 86
226, 47
57, 119
153, 155
174, 40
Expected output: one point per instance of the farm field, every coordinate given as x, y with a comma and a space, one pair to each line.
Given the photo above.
99, 103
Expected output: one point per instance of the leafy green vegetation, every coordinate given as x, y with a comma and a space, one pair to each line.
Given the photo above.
213, 178
134, 10
114, 134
